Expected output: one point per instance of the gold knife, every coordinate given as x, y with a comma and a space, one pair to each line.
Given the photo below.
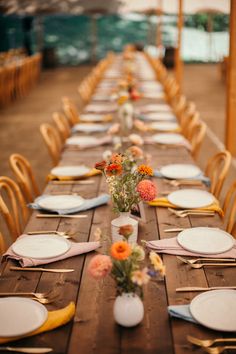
27, 349
194, 288
61, 216
52, 270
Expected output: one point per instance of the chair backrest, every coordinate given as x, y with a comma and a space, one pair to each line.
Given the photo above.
198, 134
52, 139
229, 207
217, 170
62, 125
24, 176
70, 111
13, 206
2, 244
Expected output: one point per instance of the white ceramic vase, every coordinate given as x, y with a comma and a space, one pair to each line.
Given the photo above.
124, 219
125, 115
128, 310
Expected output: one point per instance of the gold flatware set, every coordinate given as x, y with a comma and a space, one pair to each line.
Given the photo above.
32, 350
61, 216
206, 344
185, 212
44, 298
49, 270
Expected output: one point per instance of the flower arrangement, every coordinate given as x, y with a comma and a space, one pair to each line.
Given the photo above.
125, 265
128, 183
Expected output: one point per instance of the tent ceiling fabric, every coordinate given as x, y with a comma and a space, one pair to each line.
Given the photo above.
110, 6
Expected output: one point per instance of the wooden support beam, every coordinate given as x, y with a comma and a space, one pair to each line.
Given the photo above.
178, 59
231, 85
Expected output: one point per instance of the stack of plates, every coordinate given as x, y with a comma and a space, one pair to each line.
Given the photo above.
168, 138
180, 171
70, 171
164, 126
191, 198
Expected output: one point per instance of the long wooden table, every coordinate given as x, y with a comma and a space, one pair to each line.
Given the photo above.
93, 329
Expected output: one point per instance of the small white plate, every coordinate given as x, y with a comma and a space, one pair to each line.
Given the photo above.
90, 128
164, 126
41, 246
180, 171
168, 138
70, 171
215, 309
156, 108
20, 316
160, 116
191, 198
58, 202
205, 240
81, 140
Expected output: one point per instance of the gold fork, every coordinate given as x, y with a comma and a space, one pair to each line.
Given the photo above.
26, 349
59, 233
49, 294
208, 342
180, 182
185, 212
192, 261
198, 266
218, 350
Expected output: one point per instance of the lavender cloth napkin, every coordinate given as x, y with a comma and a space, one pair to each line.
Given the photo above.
201, 177
171, 246
75, 250
88, 204
181, 311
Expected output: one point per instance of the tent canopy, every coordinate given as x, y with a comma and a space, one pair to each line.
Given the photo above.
111, 6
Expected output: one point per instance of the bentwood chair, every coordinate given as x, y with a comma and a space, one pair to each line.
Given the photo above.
25, 177
229, 208
12, 206
62, 125
2, 244
53, 142
70, 111
198, 134
217, 170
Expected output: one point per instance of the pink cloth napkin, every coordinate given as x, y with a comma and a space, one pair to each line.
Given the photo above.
185, 143
171, 246
75, 250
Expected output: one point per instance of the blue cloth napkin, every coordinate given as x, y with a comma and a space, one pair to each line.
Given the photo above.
181, 311
201, 177
88, 204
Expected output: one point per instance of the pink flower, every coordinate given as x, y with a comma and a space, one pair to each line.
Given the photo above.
147, 190
136, 139
140, 125
114, 129
136, 152
99, 266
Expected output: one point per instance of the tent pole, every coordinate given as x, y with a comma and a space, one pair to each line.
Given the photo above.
159, 25
178, 60
231, 85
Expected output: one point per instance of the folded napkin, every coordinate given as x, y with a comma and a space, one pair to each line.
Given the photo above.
88, 204
171, 246
76, 249
92, 172
163, 202
82, 145
181, 311
201, 177
55, 319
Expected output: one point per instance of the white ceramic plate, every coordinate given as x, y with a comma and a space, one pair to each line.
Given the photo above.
20, 316
205, 240
70, 171
180, 171
168, 138
215, 309
41, 246
92, 118
160, 116
58, 202
90, 128
81, 140
157, 108
100, 108
191, 198
164, 126
155, 95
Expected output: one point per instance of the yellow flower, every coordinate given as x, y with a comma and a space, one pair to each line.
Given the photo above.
157, 262
145, 170
122, 99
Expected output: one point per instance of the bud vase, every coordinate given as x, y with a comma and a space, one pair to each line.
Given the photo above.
125, 115
124, 219
128, 310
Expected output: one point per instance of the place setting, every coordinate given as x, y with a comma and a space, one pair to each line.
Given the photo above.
153, 116
90, 128
67, 173
86, 142
95, 118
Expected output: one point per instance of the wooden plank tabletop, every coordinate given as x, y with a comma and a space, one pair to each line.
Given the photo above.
93, 329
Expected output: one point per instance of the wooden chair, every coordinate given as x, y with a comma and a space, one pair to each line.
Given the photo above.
217, 170
53, 142
2, 244
70, 111
229, 208
198, 134
62, 125
12, 206
25, 177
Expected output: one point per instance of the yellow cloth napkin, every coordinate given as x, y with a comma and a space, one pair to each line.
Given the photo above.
163, 202
55, 319
92, 172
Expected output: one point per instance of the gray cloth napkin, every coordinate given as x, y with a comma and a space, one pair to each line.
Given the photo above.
88, 204
181, 311
201, 177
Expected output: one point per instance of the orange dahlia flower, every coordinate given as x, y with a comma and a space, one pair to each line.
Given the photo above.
145, 170
113, 169
120, 250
